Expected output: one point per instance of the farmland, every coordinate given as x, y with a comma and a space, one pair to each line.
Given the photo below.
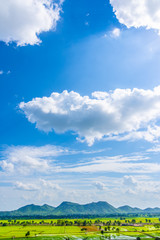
110, 228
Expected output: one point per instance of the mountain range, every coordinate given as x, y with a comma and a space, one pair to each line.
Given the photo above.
72, 209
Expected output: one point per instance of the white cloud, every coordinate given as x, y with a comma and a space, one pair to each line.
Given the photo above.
50, 184
7, 166
23, 21
25, 186
137, 175
129, 181
151, 134
1, 72
122, 114
41, 185
155, 149
116, 164
99, 185
28, 159
115, 33
138, 13
136, 185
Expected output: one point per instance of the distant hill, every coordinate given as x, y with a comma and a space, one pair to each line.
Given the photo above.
29, 210
68, 208
127, 209
34, 210
72, 209
152, 210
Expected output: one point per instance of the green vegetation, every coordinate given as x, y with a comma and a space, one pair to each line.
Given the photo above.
65, 208
139, 228
70, 209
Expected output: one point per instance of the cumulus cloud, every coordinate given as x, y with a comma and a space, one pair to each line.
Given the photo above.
40, 185
129, 181
136, 185
99, 185
1, 72
23, 21
122, 114
138, 13
50, 184
7, 166
115, 33
26, 186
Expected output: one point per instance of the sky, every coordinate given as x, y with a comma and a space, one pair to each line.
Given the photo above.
80, 102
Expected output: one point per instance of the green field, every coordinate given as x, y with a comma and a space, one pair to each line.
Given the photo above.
93, 229
20, 231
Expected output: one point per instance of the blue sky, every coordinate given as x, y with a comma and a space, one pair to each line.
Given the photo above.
80, 101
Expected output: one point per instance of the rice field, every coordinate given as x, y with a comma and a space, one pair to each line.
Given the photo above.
145, 228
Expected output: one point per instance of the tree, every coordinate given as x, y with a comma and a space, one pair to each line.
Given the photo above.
133, 221
67, 238
138, 238
27, 234
117, 230
84, 223
4, 224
